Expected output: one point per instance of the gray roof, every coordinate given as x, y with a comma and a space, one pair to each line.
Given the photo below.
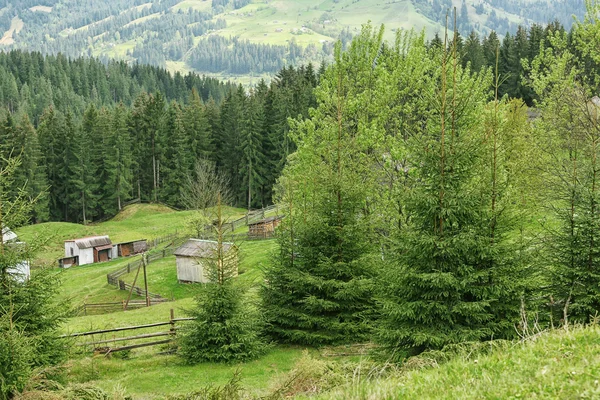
200, 248
91, 241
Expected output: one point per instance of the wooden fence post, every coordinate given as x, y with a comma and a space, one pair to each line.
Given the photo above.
172, 322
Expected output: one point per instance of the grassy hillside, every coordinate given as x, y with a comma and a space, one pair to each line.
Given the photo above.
137, 221
556, 365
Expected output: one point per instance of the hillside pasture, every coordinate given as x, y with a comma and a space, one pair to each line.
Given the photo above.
136, 221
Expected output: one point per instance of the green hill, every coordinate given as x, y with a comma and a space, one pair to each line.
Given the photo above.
137, 221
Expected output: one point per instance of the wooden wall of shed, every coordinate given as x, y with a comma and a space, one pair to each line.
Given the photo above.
190, 269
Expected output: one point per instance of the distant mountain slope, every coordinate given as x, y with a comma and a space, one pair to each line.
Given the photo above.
244, 37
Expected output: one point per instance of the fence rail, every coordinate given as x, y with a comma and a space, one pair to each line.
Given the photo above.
97, 308
103, 340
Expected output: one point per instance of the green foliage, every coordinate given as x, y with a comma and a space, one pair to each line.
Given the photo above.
15, 358
568, 130
319, 287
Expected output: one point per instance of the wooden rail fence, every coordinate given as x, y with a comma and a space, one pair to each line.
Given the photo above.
103, 340
100, 308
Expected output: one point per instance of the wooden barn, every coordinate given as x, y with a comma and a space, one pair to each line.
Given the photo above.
88, 250
126, 249
192, 258
265, 227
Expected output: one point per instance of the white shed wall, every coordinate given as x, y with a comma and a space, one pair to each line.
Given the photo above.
21, 271
86, 256
68, 247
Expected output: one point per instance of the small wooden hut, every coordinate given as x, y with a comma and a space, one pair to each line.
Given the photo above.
193, 257
265, 227
126, 249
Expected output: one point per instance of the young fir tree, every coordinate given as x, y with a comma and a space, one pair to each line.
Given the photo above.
319, 287
569, 134
225, 329
441, 287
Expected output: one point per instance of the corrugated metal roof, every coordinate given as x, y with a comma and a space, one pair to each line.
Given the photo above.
267, 220
200, 248
91, 241
105, 247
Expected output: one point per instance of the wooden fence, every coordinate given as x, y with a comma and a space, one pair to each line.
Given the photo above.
100, 343
113, 277
101, 308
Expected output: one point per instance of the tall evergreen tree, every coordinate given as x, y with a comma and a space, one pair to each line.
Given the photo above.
118, 162
319, 288
441, 287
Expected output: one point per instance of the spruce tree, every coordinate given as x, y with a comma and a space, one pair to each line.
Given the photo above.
568, 133
319, 287
441, 287
118, 162
252, 163
225, 329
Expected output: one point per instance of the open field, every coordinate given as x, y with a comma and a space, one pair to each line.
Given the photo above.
16, 26
45, 9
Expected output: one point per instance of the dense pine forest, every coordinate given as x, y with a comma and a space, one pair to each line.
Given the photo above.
93, 137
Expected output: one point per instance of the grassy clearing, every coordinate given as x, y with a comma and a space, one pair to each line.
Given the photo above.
556, 365
150, 377
162, 274
199, 5
45, 9
16, 24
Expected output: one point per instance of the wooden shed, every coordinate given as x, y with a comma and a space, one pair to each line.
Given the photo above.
192, 258
89, 250
126, 249
265, 227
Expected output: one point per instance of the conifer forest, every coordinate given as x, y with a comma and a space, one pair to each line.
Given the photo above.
437, 191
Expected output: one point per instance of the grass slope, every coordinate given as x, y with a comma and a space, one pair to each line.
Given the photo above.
556, 365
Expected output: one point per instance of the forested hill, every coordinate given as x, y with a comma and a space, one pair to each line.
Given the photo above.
245, 37
92, 137
30, 82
